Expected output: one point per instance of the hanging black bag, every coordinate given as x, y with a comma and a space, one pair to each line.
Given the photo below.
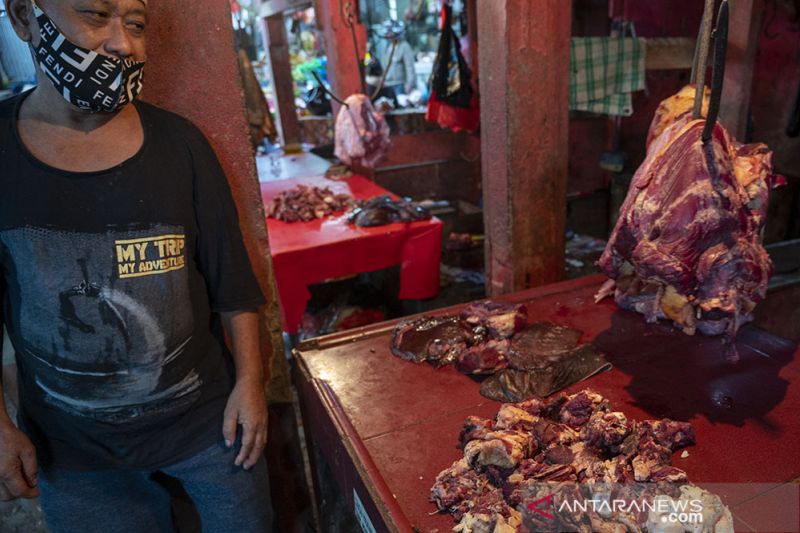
451, 74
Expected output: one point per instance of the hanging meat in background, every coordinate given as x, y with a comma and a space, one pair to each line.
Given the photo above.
687, 244
362, 134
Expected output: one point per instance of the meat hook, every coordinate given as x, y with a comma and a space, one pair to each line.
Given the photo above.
718, 75
701, 52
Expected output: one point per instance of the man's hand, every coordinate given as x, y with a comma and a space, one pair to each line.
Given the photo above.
18, 467
247, 405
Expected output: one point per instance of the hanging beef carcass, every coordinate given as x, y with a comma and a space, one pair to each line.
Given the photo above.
687, 244
362, 134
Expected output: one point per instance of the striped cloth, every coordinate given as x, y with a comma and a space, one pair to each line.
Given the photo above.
605, 71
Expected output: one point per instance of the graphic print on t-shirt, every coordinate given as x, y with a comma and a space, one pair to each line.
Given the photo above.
150, 255
104, 318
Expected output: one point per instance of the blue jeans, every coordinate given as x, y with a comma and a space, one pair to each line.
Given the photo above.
227, 497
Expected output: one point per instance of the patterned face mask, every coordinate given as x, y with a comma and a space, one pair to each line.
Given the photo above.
86, 79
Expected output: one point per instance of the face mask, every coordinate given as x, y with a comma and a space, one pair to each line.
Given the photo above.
86, 79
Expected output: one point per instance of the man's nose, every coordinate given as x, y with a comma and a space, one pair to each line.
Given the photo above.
118, 43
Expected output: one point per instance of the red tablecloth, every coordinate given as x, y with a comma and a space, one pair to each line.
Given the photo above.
310, 252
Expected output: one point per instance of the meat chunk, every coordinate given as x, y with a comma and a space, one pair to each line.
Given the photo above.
475, 428
362, 134
503, 449
458, 484
383, 210
606, 430
304, 203
540, 344
510, 416
668, 433
438, 340
567, 447
501, 319
547, 377
483, 358
687, 244
580, 407
548, 433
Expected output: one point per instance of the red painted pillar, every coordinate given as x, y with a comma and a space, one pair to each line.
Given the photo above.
192, 70
343, 67
281, 74
745, 26
524, 85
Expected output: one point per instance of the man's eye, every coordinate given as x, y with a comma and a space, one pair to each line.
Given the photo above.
137, 27
96, 15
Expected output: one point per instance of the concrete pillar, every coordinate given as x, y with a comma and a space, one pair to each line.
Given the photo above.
524, 87
343, 68
281, 74
743, 32
192, 70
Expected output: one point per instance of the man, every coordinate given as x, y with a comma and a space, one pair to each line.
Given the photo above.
118, 240
401, 76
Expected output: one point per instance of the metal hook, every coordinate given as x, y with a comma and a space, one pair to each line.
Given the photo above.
718, 75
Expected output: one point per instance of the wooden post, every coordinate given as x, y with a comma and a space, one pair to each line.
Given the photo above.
524, 86
179, 42
281, 75
343, 68
745, 23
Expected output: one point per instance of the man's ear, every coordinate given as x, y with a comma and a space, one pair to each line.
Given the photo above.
20, 12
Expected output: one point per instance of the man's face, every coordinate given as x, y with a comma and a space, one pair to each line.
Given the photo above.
108, 27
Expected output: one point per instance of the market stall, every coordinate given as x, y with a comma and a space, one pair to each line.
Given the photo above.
387, 427
312, 252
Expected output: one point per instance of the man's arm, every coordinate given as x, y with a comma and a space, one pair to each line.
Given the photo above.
18, 466
247, 405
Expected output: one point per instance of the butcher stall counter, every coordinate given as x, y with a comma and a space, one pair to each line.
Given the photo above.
310, 252
386, 427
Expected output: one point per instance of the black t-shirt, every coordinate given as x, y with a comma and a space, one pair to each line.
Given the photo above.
110, 280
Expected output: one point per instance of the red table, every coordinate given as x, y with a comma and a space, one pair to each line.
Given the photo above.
386, 427
311, 252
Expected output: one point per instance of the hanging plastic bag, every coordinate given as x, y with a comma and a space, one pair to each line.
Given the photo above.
451, 74
452, 104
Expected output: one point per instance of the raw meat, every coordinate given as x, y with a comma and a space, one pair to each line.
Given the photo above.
474, 428
438, 340
606, 430
382, 210
483, 358
544, 375
304, 203
687, 244
529, 452
362, 134
491, 338
540, 344
500, 319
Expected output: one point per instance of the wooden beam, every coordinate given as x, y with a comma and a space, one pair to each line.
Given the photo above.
745, 23
669, 53
281, 77
524, 85
343, 67
215, 103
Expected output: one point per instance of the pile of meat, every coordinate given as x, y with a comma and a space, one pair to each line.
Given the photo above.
567, 447
361, 133
687, 244
304, 203
383, 210
493, 338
